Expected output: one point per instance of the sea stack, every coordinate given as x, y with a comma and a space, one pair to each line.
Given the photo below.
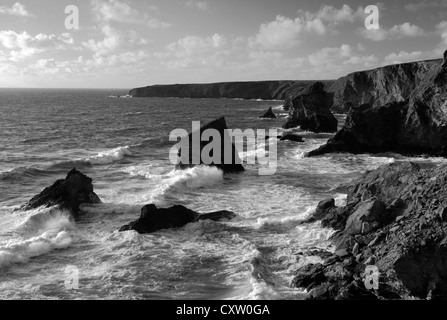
153, 219
68, 194
311, 110
228, 163
269, 114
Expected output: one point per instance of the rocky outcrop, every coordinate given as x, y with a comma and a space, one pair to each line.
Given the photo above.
291, 137
394, 222
269, 114
227, 166
380, 86
311, 110
68, 194
153, 219
417, 125
266, 90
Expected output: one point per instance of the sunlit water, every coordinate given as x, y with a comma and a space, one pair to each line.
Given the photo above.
123, 144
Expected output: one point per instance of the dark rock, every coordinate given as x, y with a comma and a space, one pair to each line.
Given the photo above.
269, 114
233, 166
309, 276
368, 216
292, 137
267, 90
153, 219
311, 110
413, 122
69, 193
411, 259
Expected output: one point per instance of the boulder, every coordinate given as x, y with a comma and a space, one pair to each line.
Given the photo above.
232, 166
311, 111
269, 114
153, 219
368, 216
69, 193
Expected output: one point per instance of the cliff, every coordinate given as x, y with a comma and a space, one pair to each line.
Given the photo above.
380, 86
411, 122
266, 90
390, 240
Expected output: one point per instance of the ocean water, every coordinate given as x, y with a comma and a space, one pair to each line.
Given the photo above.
123, 145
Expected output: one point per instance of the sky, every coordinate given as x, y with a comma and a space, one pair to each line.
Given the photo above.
135, 43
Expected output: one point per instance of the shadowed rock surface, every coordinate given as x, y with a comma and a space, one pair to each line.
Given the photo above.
269, 114
412, 126
68, 193
153, 219
396, 220
311, 110
235, 165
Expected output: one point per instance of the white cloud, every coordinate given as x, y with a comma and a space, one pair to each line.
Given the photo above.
107, 11
328, 55
442, 30
23, 45
405, 30
17, 9
195, 51
336, 16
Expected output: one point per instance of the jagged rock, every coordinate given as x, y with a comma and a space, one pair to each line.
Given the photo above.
233, 166
415, 123
269, 114
410, 256
69, 193
311, 110
153, 219
366, 218
291, 137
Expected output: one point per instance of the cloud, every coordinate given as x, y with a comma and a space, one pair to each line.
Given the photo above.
329, 55
23, 45
284, 32
442, 30
199, 4
195, 51
405, 30
107, 11
17, 9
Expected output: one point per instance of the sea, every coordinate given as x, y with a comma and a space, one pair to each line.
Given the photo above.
123, 144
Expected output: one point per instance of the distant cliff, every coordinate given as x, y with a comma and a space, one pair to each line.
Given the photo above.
266, 90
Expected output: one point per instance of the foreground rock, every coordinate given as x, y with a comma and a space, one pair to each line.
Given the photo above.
233, 166
69, 193
414, 126
396, 220
153, 219
311, 110
269, 114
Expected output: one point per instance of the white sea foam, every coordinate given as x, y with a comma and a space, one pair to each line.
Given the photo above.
110, 156
42, 231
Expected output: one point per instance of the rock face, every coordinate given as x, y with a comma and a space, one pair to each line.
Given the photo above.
380, 86
395, 220
153, 219
269, 114
221, 126
415, 125
68, 194
266, 90
311, 110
